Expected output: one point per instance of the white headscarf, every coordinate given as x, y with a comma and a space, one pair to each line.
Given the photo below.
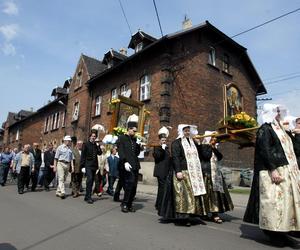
193, 130
291, 121
269, 112
207, 139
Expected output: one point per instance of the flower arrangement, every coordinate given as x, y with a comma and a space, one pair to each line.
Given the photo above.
112, 103
241, 120
119, 131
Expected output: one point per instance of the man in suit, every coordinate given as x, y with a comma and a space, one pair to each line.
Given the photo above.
49, 174
37, 154
128, 152
113, 162
89, 161
76, 176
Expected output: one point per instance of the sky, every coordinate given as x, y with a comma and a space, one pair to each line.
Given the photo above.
41, 41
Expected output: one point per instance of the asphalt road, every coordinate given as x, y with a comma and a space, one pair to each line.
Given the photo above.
42, 221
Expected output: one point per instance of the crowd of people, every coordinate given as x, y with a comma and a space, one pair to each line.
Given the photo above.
190, 181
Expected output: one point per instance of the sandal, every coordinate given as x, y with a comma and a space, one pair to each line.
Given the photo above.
217, 219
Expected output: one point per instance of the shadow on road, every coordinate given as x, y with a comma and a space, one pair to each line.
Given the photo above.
7, 246
253, 232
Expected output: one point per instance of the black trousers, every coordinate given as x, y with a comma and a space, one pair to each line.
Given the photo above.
130, 185
90, 176
48, 177
34, 178
23, 178
160, 192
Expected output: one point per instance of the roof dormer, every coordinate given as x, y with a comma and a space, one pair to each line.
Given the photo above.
58, 92
112, 58
140, 40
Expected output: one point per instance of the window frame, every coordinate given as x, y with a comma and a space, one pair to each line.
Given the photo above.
145, 86
98, 105
212, 56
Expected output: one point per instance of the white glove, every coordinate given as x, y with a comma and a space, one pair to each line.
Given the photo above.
83, 170
163, 146
127, 166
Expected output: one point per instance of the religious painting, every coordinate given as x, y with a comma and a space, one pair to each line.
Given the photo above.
234, 101
125, 107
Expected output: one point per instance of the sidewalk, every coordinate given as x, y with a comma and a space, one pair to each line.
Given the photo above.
239, 200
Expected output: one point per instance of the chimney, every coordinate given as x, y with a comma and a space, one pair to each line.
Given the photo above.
187, 23
123, 51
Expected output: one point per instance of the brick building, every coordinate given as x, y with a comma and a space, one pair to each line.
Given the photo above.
185, 77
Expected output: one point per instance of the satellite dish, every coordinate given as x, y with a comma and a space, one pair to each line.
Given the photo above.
127, 93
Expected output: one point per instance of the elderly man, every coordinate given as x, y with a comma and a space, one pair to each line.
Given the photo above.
37, 154
76, 176
23, 165
5, 163
49, 166
63, 161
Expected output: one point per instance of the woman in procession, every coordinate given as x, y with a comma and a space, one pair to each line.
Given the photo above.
217, 198
189, 186
275, 193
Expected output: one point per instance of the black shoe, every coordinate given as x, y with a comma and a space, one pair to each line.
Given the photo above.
2, 184
89, 201
63, 197
47, 189
33, 190
188, 224
132, 209
21, 192
124, 209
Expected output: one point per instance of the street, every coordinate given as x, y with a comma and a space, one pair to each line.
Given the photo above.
42, 221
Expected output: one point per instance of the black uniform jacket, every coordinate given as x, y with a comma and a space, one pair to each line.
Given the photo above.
162, 161
128, 151
89, 153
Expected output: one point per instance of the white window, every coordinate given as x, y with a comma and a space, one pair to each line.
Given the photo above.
75, 115
58, 119
212, 56
138, 47
114, 94
17, 135
123, 89
145, 85
63, 121
54, 121
50, 122
98, 102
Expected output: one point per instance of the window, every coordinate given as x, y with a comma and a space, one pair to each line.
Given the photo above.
17, 135
109, 64
98, 102
212, 56
79, 79
46, 125
226, 63
145, 88
54, 121
123, 89
63, 120
114, 94
138, 47
50, 122
58, 119
75, 115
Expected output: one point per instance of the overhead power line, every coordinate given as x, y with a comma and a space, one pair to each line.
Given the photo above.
281, 80
281, 76
125, 17
158, 18
260, 25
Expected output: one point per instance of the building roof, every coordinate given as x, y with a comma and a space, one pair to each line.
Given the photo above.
112, 54
59, 90
93, 65
138, 37
204, 26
